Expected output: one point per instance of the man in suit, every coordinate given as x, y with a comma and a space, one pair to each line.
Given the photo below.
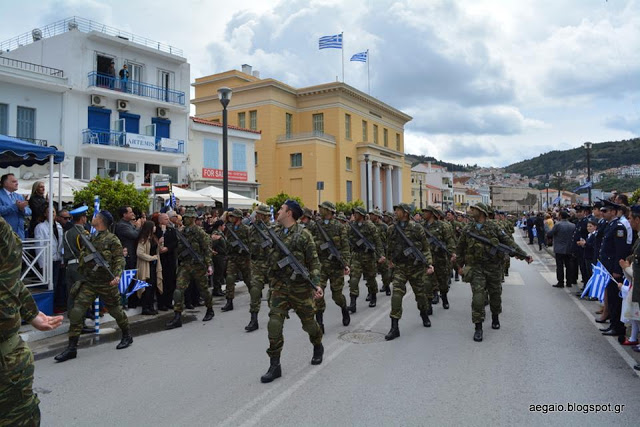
13, 207
562, 234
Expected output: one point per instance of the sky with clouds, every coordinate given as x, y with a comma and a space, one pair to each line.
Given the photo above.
487, 82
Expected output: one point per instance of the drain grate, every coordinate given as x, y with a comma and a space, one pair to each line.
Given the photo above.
362, 337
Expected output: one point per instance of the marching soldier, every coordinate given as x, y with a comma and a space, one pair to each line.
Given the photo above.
439, 231
219, 248
306, 220
195, 264
239, 257
366, 250
406, 234
332, 245
482, 269
383, 269
260, 246
98, 281
289, 293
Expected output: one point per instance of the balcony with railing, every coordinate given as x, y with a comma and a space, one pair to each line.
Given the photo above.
133, 87
28, 66
305, 136
132, 141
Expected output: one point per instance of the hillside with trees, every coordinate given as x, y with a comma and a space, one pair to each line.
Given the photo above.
416, 159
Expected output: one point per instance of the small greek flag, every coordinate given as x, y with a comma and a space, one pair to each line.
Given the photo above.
96, 209
597, 283
138, 285
330, 42
125, 280
360, 57
556, 201
272, 217
583, 187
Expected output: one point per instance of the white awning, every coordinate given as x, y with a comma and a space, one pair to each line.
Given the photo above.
235, 200
188, 197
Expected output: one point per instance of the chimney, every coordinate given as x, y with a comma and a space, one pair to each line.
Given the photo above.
256, 74
429, 165
246, 68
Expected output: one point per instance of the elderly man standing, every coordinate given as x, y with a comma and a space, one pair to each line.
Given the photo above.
13, 207
167, 244
562, 234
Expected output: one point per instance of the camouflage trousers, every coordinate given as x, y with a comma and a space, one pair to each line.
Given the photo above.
18, 401
237, 265
84, 298
441, 275
415, 275
507, 264
285, 297
485, 281
187, 273
335, 275
363, 265
385, 273
258, 279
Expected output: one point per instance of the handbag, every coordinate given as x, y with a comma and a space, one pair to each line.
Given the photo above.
630, 309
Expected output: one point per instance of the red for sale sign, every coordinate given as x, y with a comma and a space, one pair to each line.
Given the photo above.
217, 174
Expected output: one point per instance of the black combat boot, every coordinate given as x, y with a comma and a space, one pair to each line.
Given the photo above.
436, 298
352, 307
373, 301
318, 351
346, 318
70, 352
445, 302
425, 319
176, 322
253, 323
320, 320
495, 322
368, 298
217, 290
126, 340
394, 332
478, 335
228, 306
430, 310
275, 371
208, 315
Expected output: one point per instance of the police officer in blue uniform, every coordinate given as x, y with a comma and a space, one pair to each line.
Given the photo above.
580, 233
614, 247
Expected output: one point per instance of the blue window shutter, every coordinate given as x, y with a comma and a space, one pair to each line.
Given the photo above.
131, 122
99, 118
162, 127
210, 154
239, 157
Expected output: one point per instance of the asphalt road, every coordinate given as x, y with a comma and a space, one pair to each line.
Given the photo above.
548, 352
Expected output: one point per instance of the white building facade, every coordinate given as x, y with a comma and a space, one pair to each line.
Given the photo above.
439, 177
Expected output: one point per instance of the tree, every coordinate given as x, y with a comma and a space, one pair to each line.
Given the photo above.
347, 208
113, 195
634, 197
278, 200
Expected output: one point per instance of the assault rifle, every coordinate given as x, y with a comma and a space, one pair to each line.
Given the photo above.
495, 248
433, 240
411, 249
188, 248
266, 240
328, 244
290, 260
237, 243
94, 256
368, 246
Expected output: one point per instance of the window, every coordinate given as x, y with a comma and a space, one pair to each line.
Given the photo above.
4, 119
26, 123
347, 126
349, 161
385, 137
166, 81
242, 120
375, 134
398, 142
349, 191
296, 160
135, 77
81, 168
98, 118
288, 119
364, 131
211, 154
253, 120
131, 122
238, 157
255, 158
172, 171
318, 123
163, 127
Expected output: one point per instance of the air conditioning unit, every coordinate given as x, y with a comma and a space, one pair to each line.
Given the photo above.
98, 101
162, 113
122, 105
135, 178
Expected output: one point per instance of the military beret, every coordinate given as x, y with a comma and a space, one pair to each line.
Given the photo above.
404, 206
294, 207
360, 210
190, 213
263, 209
328, 205
108, 218
237, 213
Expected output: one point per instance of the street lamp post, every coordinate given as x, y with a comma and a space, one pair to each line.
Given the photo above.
366, 175
224, 95
587, 146
420, 194
547, 185
559, 176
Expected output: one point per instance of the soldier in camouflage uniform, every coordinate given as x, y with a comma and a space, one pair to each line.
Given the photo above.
260, 251
457, 227
190, 269
289, 293
239, 260
331, 268
383, 269
404, 267
98, 282
507, 226
306, 220
219, 248
363, 260
18, 402
481, 269
344, 221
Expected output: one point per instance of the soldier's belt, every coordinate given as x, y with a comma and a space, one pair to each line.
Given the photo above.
8, 345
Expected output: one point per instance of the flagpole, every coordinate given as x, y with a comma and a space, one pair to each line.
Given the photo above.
342, 37
368, 78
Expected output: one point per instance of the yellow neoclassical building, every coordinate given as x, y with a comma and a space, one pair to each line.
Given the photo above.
330, 133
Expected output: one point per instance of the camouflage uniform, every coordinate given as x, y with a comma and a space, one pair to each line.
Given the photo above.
72, 250
259, 264
442, 262
364, 263
295, 294
383, 269
238, 261
18, 401
189, 269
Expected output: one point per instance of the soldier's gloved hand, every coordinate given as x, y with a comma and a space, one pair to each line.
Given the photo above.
209, 271
347, 270
430, 269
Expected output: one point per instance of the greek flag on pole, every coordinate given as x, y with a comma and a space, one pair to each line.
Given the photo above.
330, 42
583, 187
556, 200
271, 210
125, 279
360, 57
96, 209
138, 285
597, 283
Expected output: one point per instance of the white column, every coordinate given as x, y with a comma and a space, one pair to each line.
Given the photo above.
388, 188
377, 187
397, 186
363, 189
